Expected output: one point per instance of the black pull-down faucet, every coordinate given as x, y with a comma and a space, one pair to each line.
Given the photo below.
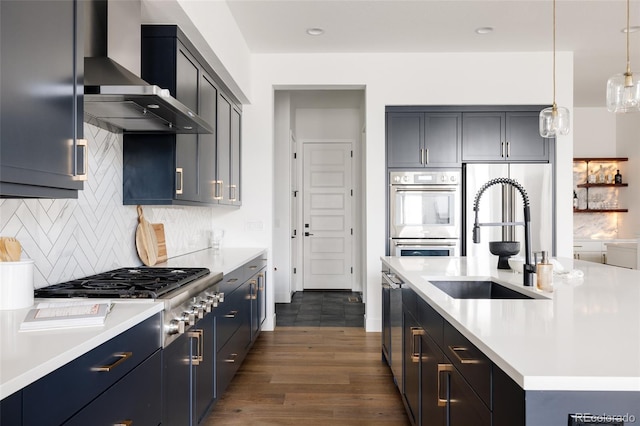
528, 268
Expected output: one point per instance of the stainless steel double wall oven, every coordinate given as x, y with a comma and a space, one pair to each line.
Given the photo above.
425, 213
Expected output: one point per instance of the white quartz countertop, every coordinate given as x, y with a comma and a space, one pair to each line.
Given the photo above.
27, 356
583, 336
225, 260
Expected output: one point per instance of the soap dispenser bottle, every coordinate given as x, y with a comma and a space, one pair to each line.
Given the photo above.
544, 273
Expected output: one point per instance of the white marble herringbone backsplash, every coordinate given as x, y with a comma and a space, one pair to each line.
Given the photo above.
70, 239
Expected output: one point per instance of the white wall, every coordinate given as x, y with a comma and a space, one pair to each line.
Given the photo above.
393, 79
594, 133
628, 145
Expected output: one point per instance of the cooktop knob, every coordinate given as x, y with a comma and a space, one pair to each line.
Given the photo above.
188, 317
175, 326
197, 311
220, 297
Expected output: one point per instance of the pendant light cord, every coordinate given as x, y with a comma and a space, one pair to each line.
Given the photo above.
554, 55
628, 51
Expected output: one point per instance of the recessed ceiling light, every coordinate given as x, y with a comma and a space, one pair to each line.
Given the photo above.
484, 30
633, 29
315, 31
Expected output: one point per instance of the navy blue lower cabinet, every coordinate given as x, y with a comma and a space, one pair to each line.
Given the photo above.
411, 370
135, 400
63, 393
11, 409
189, 375
176, 383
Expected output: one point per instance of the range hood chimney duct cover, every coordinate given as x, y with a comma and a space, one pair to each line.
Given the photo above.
114, 94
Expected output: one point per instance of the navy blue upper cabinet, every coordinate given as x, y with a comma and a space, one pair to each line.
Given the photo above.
41, 151
181, 169
423, 139
503, 136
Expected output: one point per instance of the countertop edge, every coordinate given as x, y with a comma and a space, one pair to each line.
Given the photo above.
31, 375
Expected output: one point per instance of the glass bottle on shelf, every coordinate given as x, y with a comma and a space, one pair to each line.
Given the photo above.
618, 177
575, 200
601, 175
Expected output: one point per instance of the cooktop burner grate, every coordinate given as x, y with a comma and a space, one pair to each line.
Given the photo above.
147, 283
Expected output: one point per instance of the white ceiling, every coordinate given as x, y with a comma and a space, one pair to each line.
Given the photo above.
589, 28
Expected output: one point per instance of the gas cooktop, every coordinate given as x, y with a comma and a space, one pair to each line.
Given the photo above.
131, 283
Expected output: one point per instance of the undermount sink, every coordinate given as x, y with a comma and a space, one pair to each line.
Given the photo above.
478, 290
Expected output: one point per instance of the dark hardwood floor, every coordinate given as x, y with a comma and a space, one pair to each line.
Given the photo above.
312, 376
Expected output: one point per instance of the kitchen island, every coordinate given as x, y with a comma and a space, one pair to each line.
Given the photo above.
575, 350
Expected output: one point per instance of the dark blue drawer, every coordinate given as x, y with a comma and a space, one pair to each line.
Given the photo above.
59, 395
137, 398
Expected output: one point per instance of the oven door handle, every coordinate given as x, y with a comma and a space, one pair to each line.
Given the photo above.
434, 188
441, 244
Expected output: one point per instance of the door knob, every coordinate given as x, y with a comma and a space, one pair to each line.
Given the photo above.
306, 234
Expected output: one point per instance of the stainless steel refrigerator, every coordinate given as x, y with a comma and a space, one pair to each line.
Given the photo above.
504, 204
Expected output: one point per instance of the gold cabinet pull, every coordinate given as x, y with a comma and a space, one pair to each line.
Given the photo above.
416, 332
231, 314
198, 335
442, 368
218, 191
233, 193
122, 357
179, 180
124, 423
232, 358
81, 163
458, 350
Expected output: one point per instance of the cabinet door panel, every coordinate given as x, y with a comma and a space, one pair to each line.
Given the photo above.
37, 158
405, 139
187, 160
433, 386
187, 78
207, 143
176, 374
224, 147
205, 371
442, 135
411, 369
523, 137
465, 407
234, 158
482, 136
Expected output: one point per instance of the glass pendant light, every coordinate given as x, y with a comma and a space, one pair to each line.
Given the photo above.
623, 90
554, 120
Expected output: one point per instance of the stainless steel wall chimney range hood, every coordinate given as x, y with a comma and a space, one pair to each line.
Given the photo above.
114, 94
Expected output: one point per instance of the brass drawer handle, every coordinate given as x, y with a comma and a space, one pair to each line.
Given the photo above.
232, 358
457, 350
231, 314
81, 164
197, 334
179, 180
122, 357
442, 368
124, 423
415, 355
253, 267
232, 280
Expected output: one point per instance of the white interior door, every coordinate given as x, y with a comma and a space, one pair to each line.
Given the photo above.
327, 205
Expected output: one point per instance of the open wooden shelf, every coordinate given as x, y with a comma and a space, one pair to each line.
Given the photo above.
601, 185
601, 159
600, 210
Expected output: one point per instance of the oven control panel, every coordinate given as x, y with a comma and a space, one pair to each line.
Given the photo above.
425, 178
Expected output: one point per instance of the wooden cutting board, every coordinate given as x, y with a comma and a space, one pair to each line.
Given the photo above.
146, 243
158, 230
